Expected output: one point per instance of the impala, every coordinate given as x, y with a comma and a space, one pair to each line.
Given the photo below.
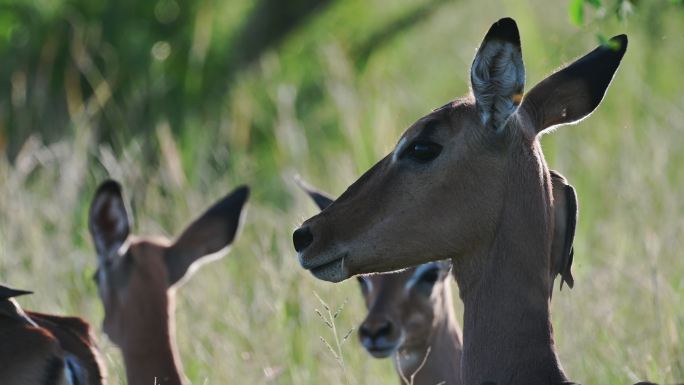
411, 311
136, 278
411, 318
469, 182
38, 348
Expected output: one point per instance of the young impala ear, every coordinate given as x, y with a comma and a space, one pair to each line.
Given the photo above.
565, 219
574, 92
321, 199
497, 75
209, 234
109, 224
445, 267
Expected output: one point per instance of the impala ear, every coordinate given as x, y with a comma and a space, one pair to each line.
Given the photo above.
108, 223
565, 220
209, 234
575, 91
497, 75
8, 292
445, 266
9, 308
321, 199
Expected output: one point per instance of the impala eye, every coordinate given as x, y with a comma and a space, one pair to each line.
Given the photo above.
426, 281
422, 151
429, 277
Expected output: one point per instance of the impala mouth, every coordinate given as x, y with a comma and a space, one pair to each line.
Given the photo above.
380, 350
331, 270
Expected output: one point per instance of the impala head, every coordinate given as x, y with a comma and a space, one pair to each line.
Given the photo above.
134, 274
44, 346
442, 190
30, 355
403, 307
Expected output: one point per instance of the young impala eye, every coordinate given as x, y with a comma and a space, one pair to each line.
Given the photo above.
429, 277
426, 281
422, 151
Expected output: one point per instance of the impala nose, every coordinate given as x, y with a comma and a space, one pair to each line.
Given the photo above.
374, 331
378, 337
302, 238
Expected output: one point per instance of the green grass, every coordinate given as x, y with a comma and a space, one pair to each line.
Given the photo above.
307, 108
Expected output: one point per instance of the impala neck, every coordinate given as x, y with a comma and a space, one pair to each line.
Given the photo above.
151, 358
508, 336
443, 364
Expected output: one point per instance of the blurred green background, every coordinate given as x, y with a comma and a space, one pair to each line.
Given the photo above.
183, 100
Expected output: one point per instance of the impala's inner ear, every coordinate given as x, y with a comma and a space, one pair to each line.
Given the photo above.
565, 220
497, 75
321, 199
209, 234
108, 223
574, 92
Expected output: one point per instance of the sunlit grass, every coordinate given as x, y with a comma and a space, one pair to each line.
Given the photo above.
306, 109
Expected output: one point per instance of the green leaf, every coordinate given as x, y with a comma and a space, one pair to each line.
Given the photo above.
576, 12
605, 41
594, 3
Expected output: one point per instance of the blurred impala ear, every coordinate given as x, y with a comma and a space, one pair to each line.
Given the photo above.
575, 91
497, 75
108, 223
321, 199
209, 234
8, 292
565, 220
9, 308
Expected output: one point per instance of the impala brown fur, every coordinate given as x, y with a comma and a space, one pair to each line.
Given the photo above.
469, 182
44, 349
76, 338
137, 277
410, 318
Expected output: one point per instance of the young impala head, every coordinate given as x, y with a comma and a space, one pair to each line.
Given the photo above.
441, 192
135, 276
403, 307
